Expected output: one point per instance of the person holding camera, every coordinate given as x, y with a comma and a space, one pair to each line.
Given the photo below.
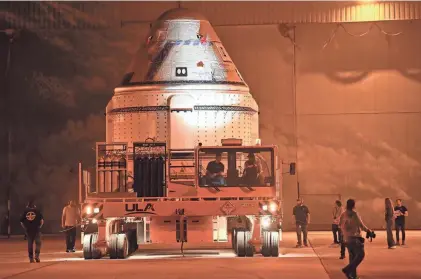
400, 212
389, 218
351, 226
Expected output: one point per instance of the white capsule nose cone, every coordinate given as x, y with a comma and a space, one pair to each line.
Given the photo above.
182, 47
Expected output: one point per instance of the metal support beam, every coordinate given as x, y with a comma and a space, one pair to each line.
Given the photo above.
11, 35
80, 183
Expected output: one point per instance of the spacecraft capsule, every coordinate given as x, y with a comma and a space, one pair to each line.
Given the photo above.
182, 88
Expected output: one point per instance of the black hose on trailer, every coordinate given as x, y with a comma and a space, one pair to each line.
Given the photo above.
75, 226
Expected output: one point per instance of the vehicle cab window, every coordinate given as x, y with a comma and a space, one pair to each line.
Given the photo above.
235, 167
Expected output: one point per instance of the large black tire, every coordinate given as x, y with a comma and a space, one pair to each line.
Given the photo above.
132, 239
240, 244
234, 239
274, 244
122, 246
87, 245
270, 245
249, 249
113, 246
266, 244
96, 253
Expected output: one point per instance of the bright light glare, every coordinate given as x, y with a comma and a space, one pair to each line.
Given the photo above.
89, 210
273, 207
265, 222
94, 221
265, 207
96, 210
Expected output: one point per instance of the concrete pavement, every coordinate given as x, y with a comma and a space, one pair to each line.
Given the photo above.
319, 261
380, 262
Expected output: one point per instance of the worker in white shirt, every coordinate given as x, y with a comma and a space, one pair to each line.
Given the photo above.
336, 230
69, 220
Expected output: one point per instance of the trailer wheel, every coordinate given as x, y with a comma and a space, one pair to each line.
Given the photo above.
266, 244
234, 239
240, 244
274, 247
96, 253
132, 239
87, 244
249, 249
122, 246
270, 247
113, 246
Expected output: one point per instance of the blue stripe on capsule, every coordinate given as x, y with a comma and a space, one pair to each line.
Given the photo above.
190, 42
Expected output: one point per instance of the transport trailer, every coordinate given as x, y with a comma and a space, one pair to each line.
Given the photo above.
184, 207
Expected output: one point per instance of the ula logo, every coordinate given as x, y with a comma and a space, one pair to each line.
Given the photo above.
135, 208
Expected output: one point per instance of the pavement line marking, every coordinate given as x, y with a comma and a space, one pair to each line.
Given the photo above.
27, 271
320, 259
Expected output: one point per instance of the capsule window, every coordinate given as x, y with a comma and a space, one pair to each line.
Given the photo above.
181, 71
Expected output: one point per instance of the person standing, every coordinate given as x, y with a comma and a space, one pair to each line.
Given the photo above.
301, 216
343, 244
351, 226
337, 212
69, 220
32, 222
400, 212
389, 218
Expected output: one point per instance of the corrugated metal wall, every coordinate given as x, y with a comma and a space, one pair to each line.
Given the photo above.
87, 15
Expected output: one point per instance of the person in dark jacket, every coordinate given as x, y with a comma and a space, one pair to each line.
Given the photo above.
32, 221
389, 218
351, 226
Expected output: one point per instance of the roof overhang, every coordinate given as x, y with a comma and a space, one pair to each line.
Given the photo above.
91, 15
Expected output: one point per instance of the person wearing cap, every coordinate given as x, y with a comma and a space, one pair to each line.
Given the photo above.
32, 222
215, 171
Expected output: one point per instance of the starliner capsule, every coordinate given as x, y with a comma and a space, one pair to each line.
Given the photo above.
182, 88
